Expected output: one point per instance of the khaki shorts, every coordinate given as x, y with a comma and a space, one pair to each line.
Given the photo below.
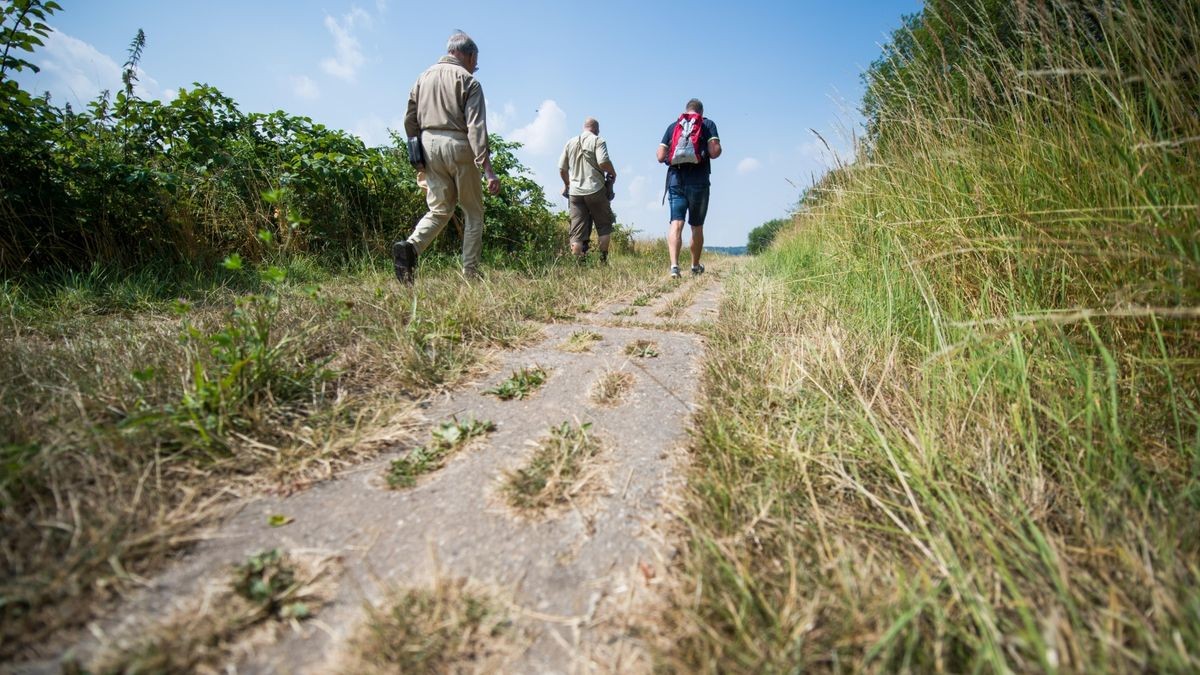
589, 210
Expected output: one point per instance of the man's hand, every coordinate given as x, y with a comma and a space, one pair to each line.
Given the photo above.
493, 184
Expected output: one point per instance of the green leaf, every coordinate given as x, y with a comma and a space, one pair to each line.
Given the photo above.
279, 520
233, 262
295, 610
274, 274
144, 374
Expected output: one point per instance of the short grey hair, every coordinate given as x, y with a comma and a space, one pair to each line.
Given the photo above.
695, 106
462, 43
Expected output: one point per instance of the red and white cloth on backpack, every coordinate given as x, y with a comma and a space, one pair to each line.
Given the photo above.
685, 140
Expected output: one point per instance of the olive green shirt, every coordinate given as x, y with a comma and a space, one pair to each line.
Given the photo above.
446, 97
581, 159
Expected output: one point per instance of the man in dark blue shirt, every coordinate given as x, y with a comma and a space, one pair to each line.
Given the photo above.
687, 188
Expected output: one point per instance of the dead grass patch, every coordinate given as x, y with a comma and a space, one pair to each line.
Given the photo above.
580, 341
561, 470
450, 628
611, 387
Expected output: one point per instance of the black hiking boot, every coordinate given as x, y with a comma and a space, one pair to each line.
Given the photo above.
404, 261
697, 270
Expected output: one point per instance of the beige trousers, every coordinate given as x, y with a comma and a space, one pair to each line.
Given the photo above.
452, 178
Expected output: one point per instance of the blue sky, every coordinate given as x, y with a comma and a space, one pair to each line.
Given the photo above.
766, 71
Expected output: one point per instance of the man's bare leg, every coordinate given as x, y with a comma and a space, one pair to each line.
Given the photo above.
675, 241
697, 244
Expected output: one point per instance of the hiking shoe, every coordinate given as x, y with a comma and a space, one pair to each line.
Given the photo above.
404, 261
472, 274
604, 257
674, 271
697, 270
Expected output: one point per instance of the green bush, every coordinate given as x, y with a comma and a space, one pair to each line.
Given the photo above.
761, 237
128, 181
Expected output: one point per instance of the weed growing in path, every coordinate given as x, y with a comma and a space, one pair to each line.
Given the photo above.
643, 349
555, 472
628, 311
580, 341
447, 439
450, 628
267, 592
610, 388
520, 384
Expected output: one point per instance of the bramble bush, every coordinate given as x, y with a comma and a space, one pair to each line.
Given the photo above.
127, 180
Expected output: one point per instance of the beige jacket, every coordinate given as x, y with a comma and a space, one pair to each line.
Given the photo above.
447, 97
581, 159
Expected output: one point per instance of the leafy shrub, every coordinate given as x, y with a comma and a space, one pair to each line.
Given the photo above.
127, 181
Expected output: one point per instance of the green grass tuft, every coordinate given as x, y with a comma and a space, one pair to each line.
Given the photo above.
555, 473
447, 439
521, 384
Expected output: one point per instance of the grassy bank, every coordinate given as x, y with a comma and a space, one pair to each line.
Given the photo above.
132, 415
963, 434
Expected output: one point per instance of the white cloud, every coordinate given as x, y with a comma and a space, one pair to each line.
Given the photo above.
632, 189
373, 130
543, 134
348, 56
498, 121
748, 165
304, 87
840, 150
381, 6
74, 71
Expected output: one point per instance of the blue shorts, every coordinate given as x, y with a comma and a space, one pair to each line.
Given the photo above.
691, 200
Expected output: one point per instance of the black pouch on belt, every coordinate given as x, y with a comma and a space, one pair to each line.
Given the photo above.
416, 154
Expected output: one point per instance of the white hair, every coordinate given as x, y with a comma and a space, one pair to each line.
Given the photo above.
462, 43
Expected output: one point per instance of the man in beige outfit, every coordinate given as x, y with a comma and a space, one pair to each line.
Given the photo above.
586, 168
446, 111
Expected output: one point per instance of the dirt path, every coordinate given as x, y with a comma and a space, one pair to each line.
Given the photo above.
574, 578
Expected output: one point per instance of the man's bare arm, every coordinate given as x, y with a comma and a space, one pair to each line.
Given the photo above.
714, 148
662, 153
609, 169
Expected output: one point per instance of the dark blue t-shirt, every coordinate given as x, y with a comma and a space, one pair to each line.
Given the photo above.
692, 174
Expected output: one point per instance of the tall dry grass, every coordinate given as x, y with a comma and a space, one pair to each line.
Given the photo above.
963, 429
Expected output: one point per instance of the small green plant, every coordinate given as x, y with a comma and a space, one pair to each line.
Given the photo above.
235, 370
628, 311
554, 474
520, 384
643, 349
268, 586
266, 579
448, 438
580, 341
